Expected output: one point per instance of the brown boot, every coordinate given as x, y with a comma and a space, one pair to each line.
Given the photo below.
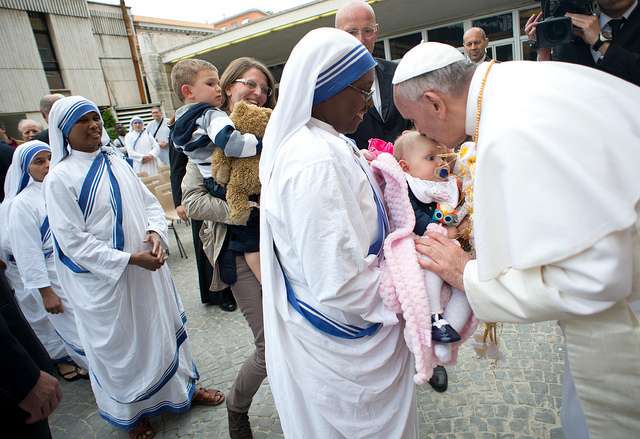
239, 425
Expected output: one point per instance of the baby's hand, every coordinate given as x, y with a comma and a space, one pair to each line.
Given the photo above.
452, 232
463, 227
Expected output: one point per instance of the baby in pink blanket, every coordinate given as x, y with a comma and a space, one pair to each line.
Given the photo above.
434, 197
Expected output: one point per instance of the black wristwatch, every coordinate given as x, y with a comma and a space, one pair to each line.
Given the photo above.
605, 37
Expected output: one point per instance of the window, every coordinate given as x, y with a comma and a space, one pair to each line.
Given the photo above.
498, 27
503, 52
378, 50
525, 14
448, 35
400, 45
245, 20
45, 48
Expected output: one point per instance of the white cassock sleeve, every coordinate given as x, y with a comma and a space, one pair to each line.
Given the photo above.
584, 284
27, 246
67, 225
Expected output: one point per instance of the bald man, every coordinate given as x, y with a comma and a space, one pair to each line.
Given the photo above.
382, 121
45, 107
475, 44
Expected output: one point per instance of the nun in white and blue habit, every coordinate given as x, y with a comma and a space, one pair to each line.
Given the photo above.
336, 358
130, 319
32, 249
139, 144
18, 180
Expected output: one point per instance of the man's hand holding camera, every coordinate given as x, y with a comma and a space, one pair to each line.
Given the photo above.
588, 28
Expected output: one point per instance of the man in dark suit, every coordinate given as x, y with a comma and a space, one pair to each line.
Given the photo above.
28, 392
382, 121
609, 42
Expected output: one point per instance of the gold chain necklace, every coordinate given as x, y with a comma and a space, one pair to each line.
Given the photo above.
469, 169
490, 328
484, 80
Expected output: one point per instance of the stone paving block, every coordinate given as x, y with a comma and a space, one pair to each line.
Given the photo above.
537, 387
546, 416
497, 424
517, 425
545, 401
478, 424
443, 426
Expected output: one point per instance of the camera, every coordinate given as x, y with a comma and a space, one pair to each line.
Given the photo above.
555, 28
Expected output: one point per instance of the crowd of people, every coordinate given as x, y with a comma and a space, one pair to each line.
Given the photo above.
349, 269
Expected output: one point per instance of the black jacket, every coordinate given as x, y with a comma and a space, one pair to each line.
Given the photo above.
623, 55
22, 357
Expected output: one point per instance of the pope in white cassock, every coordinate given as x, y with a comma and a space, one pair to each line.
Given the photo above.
109, 232
554, 190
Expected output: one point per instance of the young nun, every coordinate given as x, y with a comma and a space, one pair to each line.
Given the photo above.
32, 247
110, 232
336, 358
28, 260
142, 148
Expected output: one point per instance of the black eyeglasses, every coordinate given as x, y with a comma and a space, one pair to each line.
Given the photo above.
365, 94
253, 84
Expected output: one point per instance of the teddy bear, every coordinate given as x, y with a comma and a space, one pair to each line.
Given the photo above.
241, 175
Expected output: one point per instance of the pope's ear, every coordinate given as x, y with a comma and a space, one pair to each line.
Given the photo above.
434, 103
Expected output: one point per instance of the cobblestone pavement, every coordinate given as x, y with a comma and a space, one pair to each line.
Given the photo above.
515, 399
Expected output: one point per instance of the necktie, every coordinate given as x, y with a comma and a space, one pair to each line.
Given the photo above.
616, 24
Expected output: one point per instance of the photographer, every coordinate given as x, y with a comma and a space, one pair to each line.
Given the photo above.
609, 45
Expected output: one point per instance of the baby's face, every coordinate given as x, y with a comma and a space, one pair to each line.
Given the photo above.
207, 88
424, 158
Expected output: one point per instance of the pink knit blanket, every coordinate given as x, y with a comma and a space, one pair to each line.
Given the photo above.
403, 287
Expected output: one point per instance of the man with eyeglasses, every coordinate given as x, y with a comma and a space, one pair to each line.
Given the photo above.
382, 121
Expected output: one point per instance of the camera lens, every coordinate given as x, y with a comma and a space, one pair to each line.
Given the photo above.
556, 31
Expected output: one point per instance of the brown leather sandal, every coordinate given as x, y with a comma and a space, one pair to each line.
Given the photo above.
142, 431
204, 396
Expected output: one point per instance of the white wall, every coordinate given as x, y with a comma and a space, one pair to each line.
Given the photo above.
78, 58
22, 78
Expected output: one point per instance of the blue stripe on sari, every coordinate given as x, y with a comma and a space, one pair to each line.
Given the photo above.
86, 201
324, 323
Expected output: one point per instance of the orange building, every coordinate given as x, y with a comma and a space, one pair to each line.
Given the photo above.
239, 19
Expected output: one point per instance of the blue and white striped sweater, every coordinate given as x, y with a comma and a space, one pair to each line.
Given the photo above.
200, 128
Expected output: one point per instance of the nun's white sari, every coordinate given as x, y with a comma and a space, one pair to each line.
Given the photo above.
29, 298
130, 320
140, 144
32, 246
320, 220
